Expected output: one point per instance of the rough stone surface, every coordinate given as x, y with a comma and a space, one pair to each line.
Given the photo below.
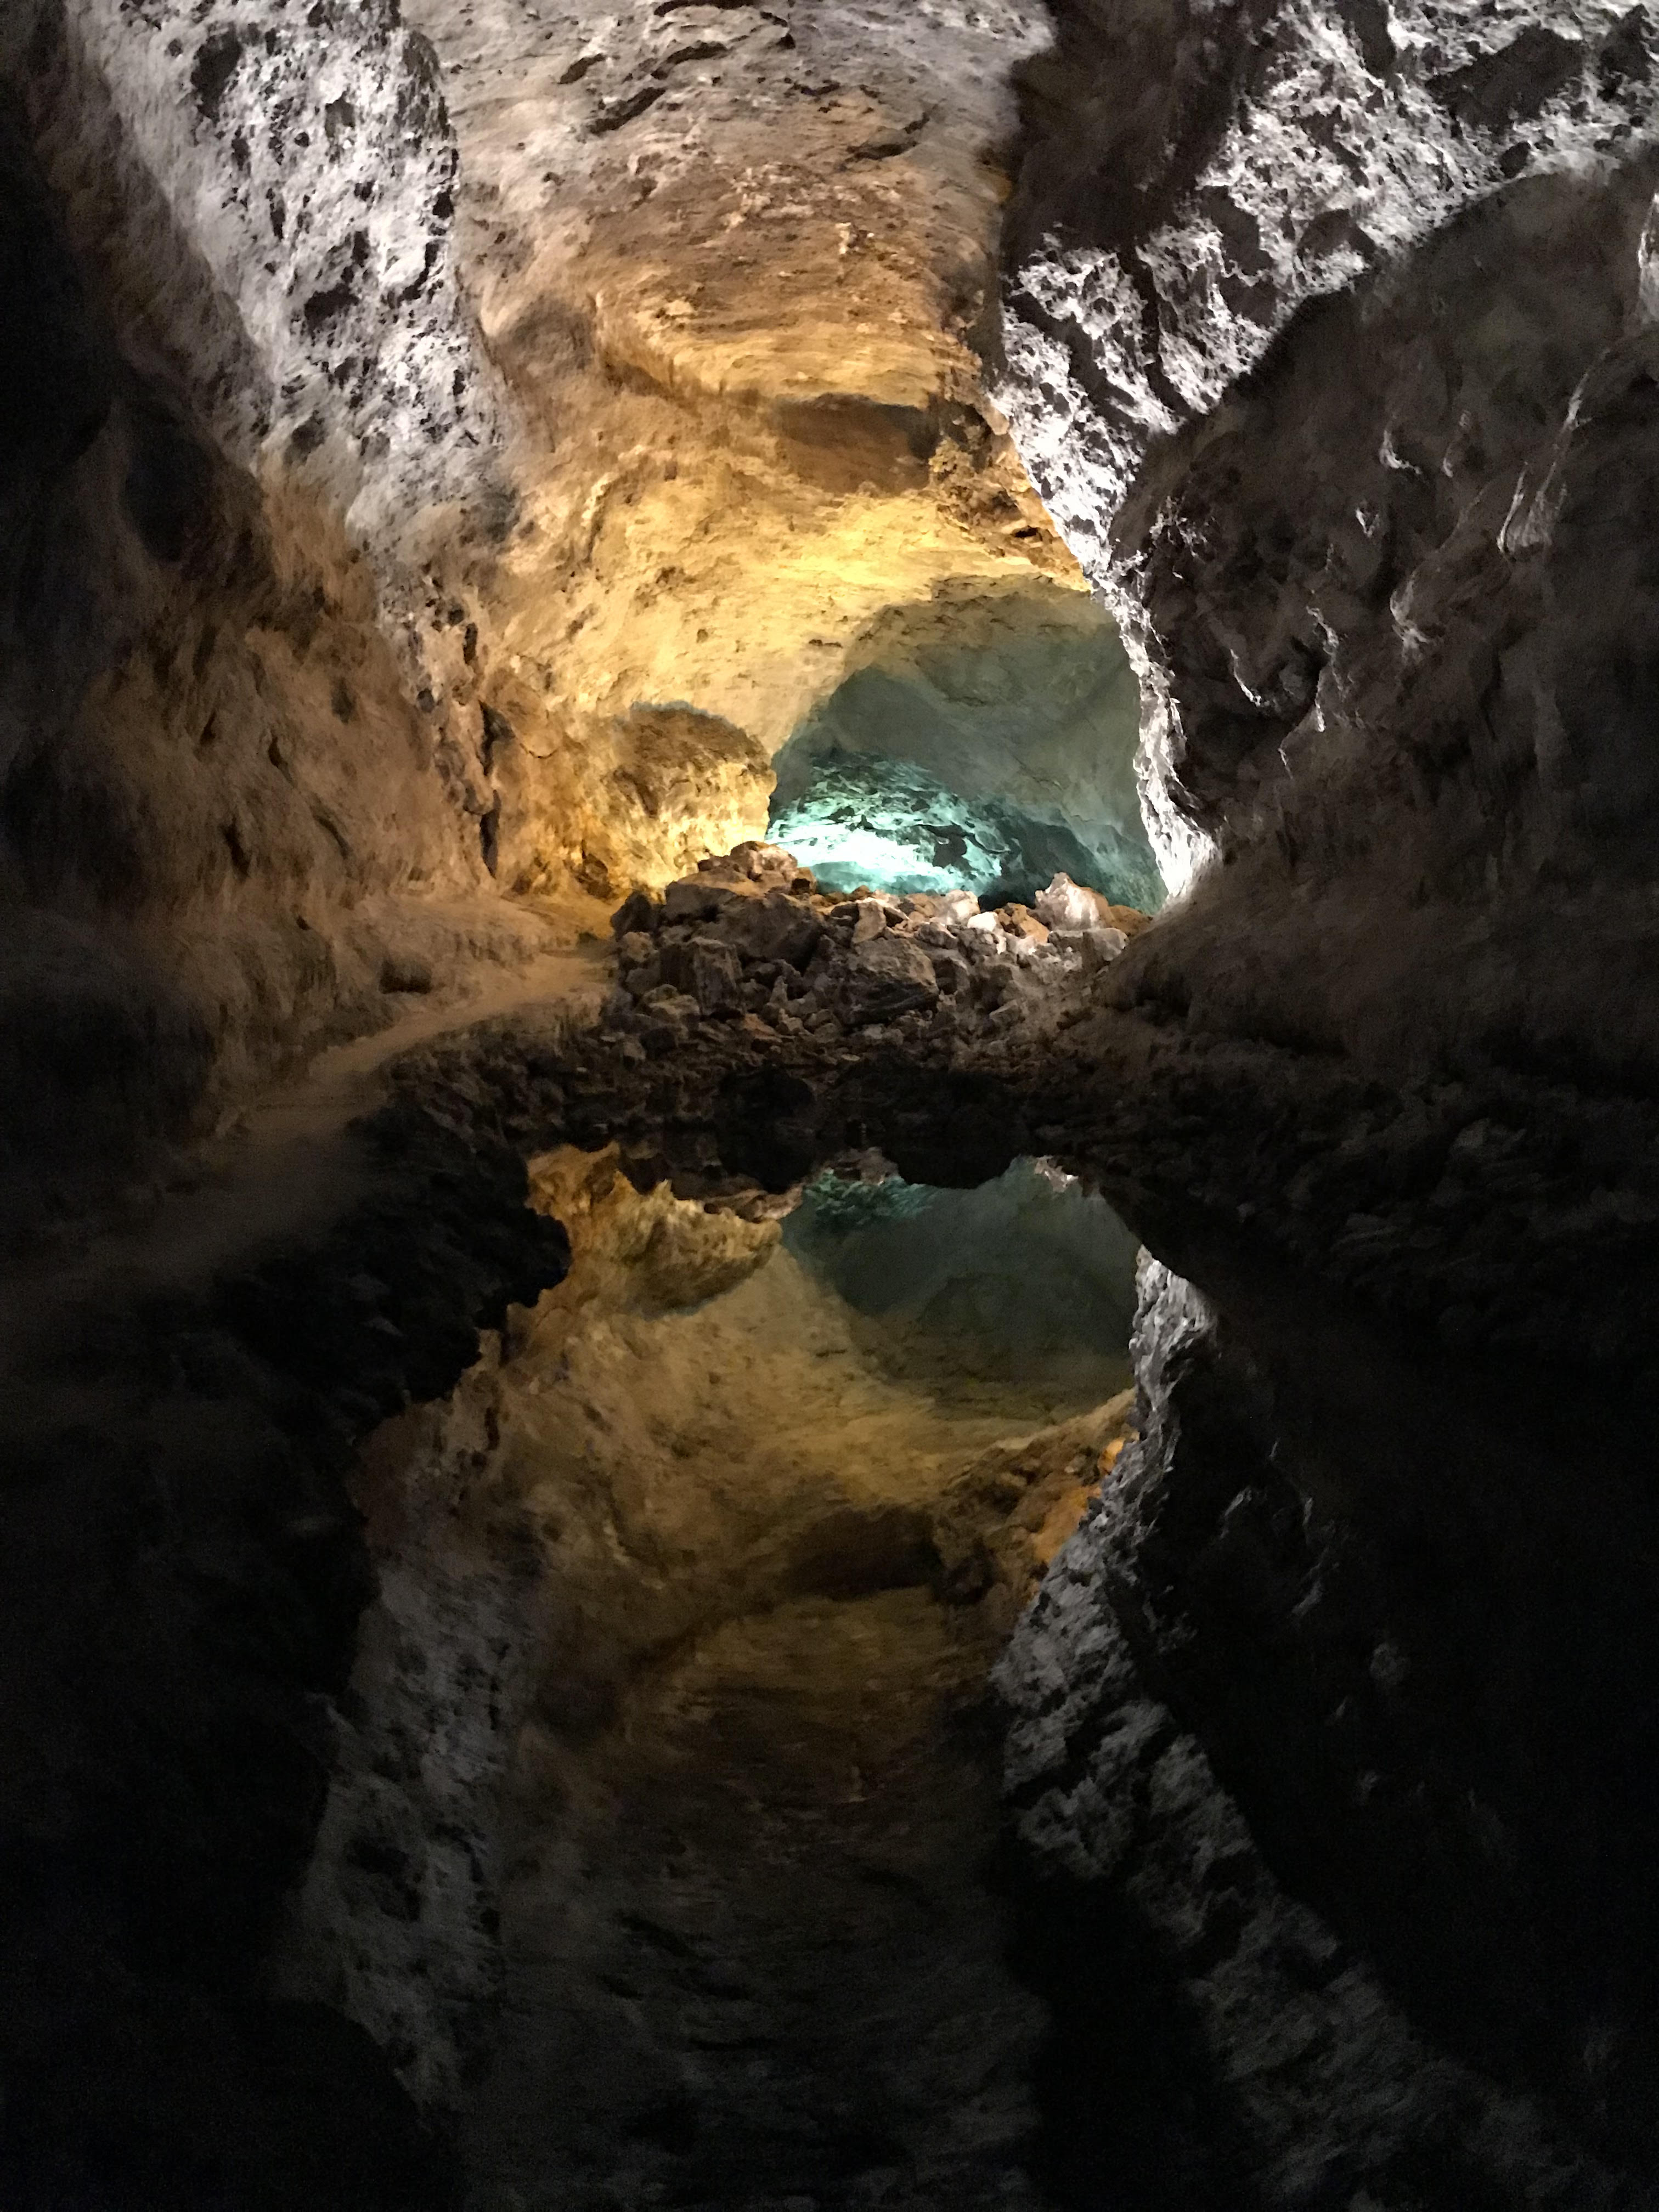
429, 490
1290, 1861
731, 264
184, 1573
1296, 346
1225, 1595
278, 210
441, 464
219, 816
984, 738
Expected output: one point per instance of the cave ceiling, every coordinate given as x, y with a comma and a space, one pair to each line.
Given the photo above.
639, 347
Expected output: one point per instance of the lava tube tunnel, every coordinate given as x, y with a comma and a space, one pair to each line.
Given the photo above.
828, 1066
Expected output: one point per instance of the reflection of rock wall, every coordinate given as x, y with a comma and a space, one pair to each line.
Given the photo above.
676, 1541
1310, 1733
1026, 1279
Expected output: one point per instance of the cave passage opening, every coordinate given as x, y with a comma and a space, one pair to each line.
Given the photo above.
982, 740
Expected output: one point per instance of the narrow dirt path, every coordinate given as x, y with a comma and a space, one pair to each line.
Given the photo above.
292, 1165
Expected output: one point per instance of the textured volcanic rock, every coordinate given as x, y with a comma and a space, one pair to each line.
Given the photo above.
733, 261
1330, 350
219, 816
442, 462
444, 458
1322, 352
1315, 1724
184, 1572
1269, 156
276, 210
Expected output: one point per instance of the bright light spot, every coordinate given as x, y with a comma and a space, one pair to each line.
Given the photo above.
869, 819
849, 856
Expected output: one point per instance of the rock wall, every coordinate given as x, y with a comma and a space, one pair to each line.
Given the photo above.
1328, 347
1328, 353
454, 454
441, 464
1314, 1730
223, 837
733, 264
184, 1572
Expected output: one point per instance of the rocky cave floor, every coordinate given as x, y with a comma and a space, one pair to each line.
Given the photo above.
597, 1734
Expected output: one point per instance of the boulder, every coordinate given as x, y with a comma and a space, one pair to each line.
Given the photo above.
981, 935
702, 898
1020, 921
763, 862
1069, 906
951, 972
887, 976
707, 968
774, 927
858, 920
1092, 948
639, 913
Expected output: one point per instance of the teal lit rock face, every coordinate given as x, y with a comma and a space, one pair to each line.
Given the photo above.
891, 825
1028, 1279
988, 742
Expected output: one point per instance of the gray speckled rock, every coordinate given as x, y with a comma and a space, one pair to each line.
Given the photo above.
1271, 154
1337, 2100
1296, 339
1166, 249
274, 196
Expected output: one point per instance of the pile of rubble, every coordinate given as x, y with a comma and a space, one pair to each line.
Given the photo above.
750, 939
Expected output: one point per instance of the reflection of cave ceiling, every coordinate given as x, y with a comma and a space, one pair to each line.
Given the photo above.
1027, 1275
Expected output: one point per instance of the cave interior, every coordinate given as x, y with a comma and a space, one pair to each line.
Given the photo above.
828, 1106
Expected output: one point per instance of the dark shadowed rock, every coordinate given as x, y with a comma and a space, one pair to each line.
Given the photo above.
706, 970
886, 977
